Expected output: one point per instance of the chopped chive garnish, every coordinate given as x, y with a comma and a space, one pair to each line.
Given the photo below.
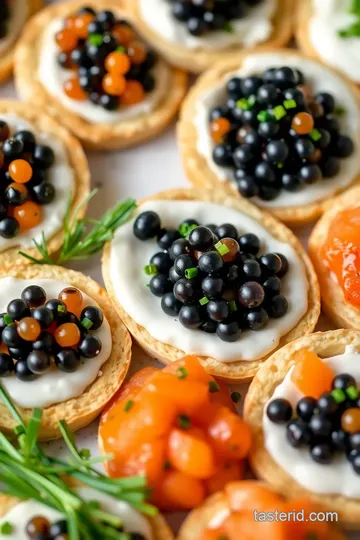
213, 387
263, 116
166, 465
8, 320
128, 405
233, 306
289, 104
19, 429
183, 421
339, 110
94, 505
352, 31
279, 112
6, 528
191, 273
203, 301
61, 308
85, 453
235, 396
150, 269
243, 104
352, 392
315, 134
86, 323
280, 165
185, 229
338, 395
181, 373
120, 49
95, 39
228, 27
221, 248
251, 100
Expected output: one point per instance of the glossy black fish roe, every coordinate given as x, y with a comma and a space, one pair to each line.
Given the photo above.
213, 278
329, 426
276, 134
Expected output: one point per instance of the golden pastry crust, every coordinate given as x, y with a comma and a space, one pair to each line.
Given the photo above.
93, 136
197, 520
234, 371
160, 529
77, 160
198, 171
198, 60
82, 410
7, 56
344, 314
269, 376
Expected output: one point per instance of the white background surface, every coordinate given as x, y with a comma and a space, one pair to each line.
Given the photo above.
137, 173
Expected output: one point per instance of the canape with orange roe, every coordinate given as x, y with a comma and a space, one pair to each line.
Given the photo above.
238, 512
179, 427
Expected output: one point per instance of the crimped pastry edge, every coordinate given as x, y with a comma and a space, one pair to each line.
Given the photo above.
234, 371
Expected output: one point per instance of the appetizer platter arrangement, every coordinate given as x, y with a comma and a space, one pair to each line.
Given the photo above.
179, 269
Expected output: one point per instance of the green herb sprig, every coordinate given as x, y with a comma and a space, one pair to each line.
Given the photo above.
354, 29
83, 237
27, 472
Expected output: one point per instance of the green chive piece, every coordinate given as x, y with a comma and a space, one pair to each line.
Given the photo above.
242, 104
315, 134
8, 320
338, 395
263, 116
203, 301
191, 228
251, 100
128, 405
150, 269
61, 309
181, 373
166, 465
289, 104
352, 392
228, 27
183, 421
213, 387
339, 110
235, 396
233, 306
86, 323
279, 112
280, 165
95, 39
191, 273
94, 505
85, 453
221, 248
6, 528
183, 229
120, 49
19, 429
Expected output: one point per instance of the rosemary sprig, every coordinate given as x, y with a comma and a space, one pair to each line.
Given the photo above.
27, 472
83, 237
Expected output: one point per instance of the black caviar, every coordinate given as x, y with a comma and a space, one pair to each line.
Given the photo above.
328, 426
24, 181
37, 334
275, 135
109, 63
213, 279
4, 17
204, 16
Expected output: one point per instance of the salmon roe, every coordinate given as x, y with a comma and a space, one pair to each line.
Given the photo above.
117, 63
311, 375
341, 251
67, 335
219, 128
73, 89
123, 33
28, 215
29, 329
66, 39
20, 171
114, 84
177, 426
137, 52
302, 123
81, 24
134, 93
72, 298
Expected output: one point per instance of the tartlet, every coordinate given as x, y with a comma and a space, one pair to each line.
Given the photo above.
200, 58
7, 55
81, 410
196, 151
343, 313
94, 135
76, 161
234, 370
270, 375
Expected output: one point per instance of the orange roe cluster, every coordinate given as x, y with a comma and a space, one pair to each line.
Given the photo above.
179, 427
25, 185
341, 251
249, 496
110, 65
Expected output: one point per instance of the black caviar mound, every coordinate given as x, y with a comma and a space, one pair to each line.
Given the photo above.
4, 17
24, 181
38, 333
211, 278
276, 135
109, 63
204, 16
328, 426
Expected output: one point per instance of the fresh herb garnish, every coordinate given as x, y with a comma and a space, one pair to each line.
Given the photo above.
235, 396
213, 387
354, 29
183, 421
181, 372
6, 528
79, 242
228, 27
27, 472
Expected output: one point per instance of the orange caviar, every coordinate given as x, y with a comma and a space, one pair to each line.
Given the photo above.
302, 123
66, 39
73, 89
29, 329
114, 84
232, 247
311, 375
134, 93
67, 335
341, 251
28, 215
178, 426
118, 63
350, 420
137, 52
20, 171
123, 33
72, 298
219, 128
81, 23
